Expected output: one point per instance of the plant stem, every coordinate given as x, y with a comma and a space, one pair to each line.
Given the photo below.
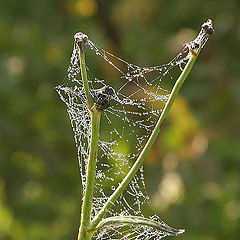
150, 141
91, 165
136, 220
90, 179
90, 100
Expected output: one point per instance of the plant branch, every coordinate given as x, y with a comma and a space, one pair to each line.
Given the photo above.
136, 220
194, 49
81, 39
90, 178
149, 143
88, 227
95, 115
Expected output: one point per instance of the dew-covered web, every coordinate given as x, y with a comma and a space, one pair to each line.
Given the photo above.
137, 100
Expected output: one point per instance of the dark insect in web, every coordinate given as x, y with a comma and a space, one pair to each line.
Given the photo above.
103, 97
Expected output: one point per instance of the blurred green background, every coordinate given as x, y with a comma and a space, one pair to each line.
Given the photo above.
193, 171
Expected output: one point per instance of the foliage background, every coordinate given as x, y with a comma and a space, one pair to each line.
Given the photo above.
192, 174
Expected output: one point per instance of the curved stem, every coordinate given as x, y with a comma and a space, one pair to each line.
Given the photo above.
136, 220
150, 141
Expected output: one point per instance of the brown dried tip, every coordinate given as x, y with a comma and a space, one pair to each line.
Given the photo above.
208, 27
81, 38
206, 31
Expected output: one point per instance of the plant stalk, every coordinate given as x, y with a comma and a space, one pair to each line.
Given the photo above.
90, 101
97, 219
136, 220
90, 179
95, 115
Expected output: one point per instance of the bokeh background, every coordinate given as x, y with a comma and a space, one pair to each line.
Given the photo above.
193, 171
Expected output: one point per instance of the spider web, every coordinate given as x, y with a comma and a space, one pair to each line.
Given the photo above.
140, 94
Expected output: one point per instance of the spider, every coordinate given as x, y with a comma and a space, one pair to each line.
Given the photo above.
103, 97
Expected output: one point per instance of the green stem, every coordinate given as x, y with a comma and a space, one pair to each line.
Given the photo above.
149, 143
90, 100
90, 178
91, 165
136, 220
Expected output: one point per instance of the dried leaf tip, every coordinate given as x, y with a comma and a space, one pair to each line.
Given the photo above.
208, 27
80, 38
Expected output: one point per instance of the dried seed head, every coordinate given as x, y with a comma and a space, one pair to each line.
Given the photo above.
81, 38
208, 27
